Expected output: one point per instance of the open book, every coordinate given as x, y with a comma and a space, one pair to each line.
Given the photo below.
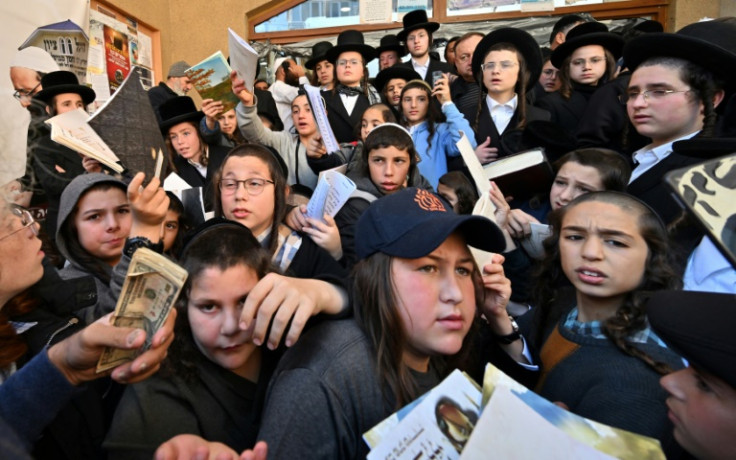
521, 175
211, 79
71, 130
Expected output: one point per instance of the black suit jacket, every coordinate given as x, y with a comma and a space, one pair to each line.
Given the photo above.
509, 142
343, 125
186, 171
650, 186
434, 65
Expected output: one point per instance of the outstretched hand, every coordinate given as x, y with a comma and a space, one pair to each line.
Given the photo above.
239, 89
148, 205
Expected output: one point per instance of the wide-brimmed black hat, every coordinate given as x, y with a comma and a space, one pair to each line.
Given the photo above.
414, 20
710, 44
706, 148
522, 41
391, 42
587, 33
60, 82
699, 326
386, 75
351, 40
319, 53
178, 110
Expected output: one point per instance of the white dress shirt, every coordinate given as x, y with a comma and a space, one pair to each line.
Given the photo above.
646, 158
349, 102
421, 69
707, 270
501, 113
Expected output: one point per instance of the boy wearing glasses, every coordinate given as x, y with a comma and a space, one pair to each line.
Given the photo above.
352, 94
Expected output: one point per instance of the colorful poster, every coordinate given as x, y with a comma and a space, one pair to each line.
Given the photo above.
117, 54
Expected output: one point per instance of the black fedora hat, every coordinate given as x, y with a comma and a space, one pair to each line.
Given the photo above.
414, 20
699, 326
391, 42
178, 110
522, 40
587, 33
710, 44
351, 40
60, 82
386, 75
706, 148
319, 53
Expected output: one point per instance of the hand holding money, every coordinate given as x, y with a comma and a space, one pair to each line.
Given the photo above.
151, 287
76, 356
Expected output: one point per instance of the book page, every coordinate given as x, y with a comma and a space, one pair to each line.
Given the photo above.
332, 192
320, 116
72, 130
476, 169
243, 58
514, 163
438, 427
508, 428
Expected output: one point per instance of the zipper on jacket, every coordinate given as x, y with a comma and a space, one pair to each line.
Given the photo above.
70, 323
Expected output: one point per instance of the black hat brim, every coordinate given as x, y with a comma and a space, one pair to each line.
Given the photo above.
715, 59
523, 41
400, 50
610, 41
706, 148
429, 26
312, 63
173, 121
390, 73
367, 51
86, 93
698, 326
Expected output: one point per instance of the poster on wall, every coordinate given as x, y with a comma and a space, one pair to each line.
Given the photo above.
66, 42
404, 6
117, 56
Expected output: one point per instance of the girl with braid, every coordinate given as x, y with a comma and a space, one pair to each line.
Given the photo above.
596, 351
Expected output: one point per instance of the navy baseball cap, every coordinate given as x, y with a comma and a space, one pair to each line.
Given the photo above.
413, 222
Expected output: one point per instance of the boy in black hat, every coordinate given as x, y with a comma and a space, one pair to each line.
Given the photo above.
417, 35
323, 72
702, 402
352, 93
62, 93
390, 51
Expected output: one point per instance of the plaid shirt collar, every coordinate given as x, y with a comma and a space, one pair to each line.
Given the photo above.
594, 329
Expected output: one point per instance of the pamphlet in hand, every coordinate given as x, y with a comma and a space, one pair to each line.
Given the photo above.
476, 169
332, 192
71, 130
211, 79
320, 116
243, 58
533, 243
437, 427
151, 287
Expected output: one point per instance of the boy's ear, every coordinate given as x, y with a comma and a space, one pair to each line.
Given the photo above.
718, 97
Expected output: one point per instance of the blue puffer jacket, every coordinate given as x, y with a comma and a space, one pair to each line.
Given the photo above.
433, 162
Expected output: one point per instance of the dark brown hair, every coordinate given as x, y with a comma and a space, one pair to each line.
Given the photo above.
202, 145
280, 207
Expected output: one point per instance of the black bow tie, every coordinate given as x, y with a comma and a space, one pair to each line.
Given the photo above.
349, 91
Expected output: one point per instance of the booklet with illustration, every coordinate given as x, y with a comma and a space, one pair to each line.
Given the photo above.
211, 79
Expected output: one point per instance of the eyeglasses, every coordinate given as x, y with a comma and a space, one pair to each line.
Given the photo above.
503, 65
352, 62
253, 186
653, 94
24, 94
550, 72
26, 220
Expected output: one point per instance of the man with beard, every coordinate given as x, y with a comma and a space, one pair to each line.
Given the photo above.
176, 84
289, 75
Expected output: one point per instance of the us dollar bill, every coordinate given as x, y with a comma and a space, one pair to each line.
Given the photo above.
151, 287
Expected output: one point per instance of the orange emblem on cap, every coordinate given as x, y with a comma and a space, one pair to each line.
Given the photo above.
428, 201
